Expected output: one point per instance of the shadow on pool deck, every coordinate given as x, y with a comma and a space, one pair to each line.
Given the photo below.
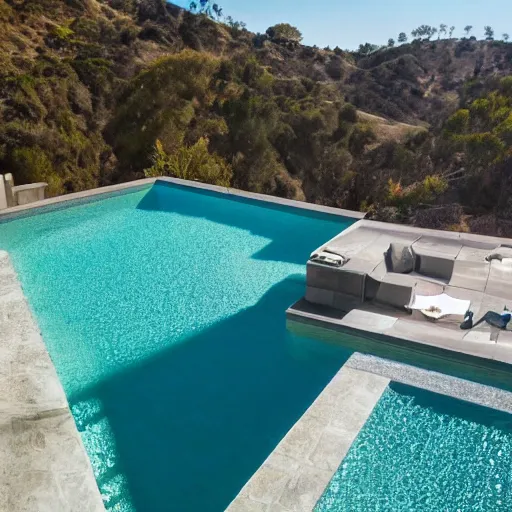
259, 219
192, 424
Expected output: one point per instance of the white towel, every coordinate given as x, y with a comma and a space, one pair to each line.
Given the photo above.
445, 305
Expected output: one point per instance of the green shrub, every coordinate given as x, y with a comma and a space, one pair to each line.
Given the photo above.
32, 164
5, 11
87, 28
506, 86
284, 32
128, 6
420, 192
191, 163
504, 130
62, 33
484, 148
97, 75
458, 123
361, 136
348, 113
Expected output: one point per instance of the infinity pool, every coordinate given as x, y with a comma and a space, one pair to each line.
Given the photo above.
420, 451
163, 311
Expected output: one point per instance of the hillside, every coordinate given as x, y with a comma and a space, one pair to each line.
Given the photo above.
96, 92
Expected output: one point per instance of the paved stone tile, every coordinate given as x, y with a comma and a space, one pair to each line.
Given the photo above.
503, 349
470, 275
478, 348
442, 337
24, 389
34, 491
267, 484
331, 449
474, 254
244, 504
436, 245
481, 336
282, 462
364, 320
48, 435
276, 507
302, 493
475, 297
303, 438
499, 282
76, 493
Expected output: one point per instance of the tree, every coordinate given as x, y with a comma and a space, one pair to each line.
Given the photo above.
402, 37
506, 37
347, 113
284, 32
452, 28
489, 33
367, 48
235, 26
425, 31
205, 7
391, 42
217, 10
442, 29
361, 136
458, 123
468, 29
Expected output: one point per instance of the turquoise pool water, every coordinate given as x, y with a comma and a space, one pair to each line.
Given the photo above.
420, 451
163, 311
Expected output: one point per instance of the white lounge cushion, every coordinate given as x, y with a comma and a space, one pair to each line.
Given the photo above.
438, 306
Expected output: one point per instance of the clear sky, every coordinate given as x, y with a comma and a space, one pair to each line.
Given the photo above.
347, 23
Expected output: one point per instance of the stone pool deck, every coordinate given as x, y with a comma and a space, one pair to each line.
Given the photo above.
43, 463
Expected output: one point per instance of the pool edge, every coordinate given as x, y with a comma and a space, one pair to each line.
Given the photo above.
88, 195
253, 196
45, 460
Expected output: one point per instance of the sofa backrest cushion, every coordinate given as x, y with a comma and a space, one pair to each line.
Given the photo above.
400, 258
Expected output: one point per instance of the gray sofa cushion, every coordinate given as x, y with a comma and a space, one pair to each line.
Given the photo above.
435, 265
399, 258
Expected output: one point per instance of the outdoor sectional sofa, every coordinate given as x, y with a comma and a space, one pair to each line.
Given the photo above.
438, 263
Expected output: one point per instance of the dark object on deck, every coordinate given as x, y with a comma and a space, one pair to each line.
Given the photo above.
495, 319
468, 321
